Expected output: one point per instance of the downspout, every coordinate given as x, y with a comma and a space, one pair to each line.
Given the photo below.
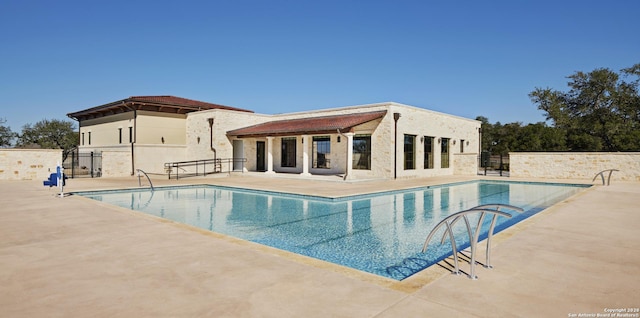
396, 116
346, 167
135, 135
215, 154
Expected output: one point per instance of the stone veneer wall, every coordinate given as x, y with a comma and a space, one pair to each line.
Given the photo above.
116, 163
574, 165
465, 164
28, 164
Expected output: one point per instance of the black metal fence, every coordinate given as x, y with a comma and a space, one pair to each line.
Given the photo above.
489, 163
83, 164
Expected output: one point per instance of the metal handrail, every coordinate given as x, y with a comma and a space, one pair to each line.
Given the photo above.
201, 164
601, 174
474, 235
146, 175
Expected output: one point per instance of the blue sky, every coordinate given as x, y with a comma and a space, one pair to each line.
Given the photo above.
467, 58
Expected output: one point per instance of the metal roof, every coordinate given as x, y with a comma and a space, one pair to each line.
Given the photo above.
308, 126
164, 104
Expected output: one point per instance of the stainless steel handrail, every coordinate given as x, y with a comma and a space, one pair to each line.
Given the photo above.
474, 235
215, 164
146, 175
601, 174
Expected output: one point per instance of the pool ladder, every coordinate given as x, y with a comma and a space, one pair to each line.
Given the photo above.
474, 235
146, 175
601, 174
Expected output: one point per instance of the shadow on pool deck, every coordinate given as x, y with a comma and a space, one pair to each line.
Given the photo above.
75, 257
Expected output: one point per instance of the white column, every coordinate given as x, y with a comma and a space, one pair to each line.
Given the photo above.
349, 171
270, 155
305, 155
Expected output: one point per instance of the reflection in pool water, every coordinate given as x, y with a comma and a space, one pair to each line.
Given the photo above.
378, 233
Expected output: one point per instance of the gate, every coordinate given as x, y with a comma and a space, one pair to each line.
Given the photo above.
83, 164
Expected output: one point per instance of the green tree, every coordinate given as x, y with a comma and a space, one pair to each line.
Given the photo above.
497, 138
502, 139
6, 135
488, 133
600, 112
540, 137
49, 134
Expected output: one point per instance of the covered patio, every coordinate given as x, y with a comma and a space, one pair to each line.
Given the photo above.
327, 144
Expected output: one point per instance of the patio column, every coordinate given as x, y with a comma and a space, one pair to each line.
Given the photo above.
348, 175
270, 155
305, 155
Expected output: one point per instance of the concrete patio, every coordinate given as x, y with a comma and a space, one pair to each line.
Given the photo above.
75, 257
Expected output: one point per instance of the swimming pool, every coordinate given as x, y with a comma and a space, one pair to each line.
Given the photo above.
375, 233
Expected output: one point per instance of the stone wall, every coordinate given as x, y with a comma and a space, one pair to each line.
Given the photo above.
28, 164
465, 164
574, 165
116, 163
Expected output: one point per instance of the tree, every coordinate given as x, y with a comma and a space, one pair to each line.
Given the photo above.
540, 137
6, 135
498, 139
501, 139
600, 112
486, 129
49, 134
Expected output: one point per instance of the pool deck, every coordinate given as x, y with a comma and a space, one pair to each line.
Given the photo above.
75, 257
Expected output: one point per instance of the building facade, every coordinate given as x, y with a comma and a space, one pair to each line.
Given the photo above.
373, 141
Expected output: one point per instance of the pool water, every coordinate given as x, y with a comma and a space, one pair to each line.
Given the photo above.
380, 233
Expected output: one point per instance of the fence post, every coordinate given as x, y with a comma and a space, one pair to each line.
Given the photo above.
73, 164
91, 164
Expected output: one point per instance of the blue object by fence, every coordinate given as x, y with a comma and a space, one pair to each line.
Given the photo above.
53, 180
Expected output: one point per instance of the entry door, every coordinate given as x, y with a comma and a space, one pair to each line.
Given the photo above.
238, 155
260, 156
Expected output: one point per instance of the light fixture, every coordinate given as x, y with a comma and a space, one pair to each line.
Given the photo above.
439, 139
162, 139
198, 139
454, 141
467, 142
338, 138
421, 139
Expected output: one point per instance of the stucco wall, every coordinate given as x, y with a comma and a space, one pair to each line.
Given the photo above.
104, 131
151, 158
147, 128
116, 161
574, 165
153, 128
28, 164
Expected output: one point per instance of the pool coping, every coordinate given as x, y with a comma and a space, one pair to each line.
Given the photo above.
407, 285
48, 269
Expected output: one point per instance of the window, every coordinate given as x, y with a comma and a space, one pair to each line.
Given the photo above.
321, 151
288, 156
130, 134
362, 152
120, 135
444, 153
428, 152
461, 145
83, 139
409, 152
89, 137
